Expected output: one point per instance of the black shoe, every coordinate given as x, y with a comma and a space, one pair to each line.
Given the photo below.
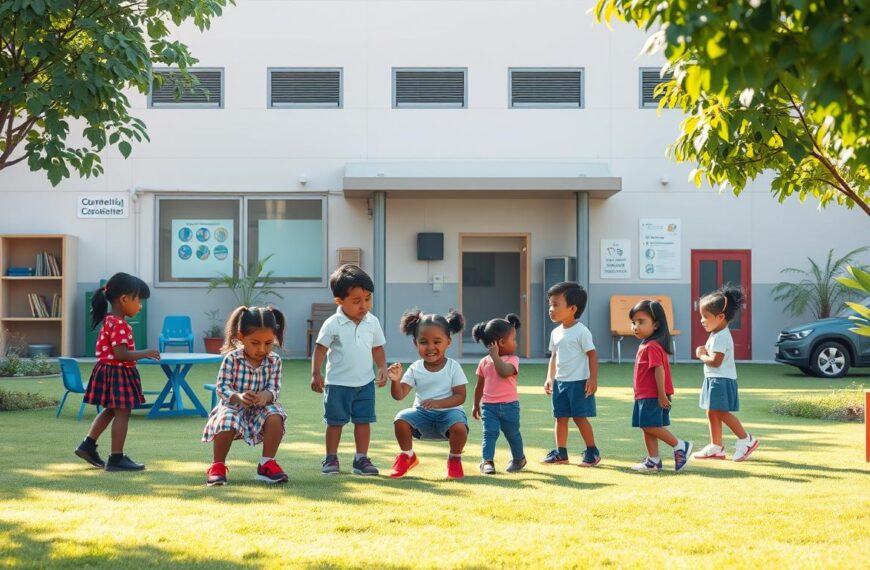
88, 452
124, 463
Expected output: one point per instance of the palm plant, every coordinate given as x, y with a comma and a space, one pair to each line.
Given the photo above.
250, 287
818, 290
860, 282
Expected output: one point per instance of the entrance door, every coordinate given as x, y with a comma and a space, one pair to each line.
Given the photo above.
712, 268
493, 281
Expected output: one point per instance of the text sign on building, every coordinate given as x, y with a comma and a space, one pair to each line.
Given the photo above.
615, 258
659, 250
96, 206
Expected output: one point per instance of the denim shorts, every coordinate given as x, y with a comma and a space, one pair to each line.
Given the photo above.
648, 413
719, 395
342, 404
432, 424
570, 401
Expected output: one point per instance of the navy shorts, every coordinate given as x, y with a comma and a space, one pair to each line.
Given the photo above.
719, 395
342, 404
570, 401
432, 424
648, 413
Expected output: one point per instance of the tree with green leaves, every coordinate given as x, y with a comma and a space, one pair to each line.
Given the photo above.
859, 280
768, 85
63, 60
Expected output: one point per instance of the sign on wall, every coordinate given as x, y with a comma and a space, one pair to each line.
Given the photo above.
99, 206
659, 248
202, 248
615, 259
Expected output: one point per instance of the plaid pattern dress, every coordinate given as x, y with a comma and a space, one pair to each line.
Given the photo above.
236, 375
114, 384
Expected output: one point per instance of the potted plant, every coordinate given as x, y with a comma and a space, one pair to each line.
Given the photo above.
213, 336
249, 287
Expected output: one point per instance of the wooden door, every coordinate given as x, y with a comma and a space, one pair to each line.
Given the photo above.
712, 268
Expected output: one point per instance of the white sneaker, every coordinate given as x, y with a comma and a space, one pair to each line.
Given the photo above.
711, 451
744, 448
647, 466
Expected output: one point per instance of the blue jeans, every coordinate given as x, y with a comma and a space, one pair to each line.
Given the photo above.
501, 417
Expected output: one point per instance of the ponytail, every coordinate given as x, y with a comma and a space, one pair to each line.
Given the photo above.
245, 320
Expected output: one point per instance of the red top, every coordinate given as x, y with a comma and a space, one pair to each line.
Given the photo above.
649, 356
114, 331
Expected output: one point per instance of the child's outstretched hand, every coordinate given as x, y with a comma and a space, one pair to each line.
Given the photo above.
382, 377
394, 372
151, 353
701, 351
548, 387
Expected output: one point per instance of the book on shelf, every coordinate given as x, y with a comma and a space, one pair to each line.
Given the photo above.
47, 265
19, 271
39, 307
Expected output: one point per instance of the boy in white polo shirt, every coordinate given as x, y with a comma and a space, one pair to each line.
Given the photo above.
572, 376
350, 341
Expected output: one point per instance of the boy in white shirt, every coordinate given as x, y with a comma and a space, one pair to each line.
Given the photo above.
350, 341
572, 376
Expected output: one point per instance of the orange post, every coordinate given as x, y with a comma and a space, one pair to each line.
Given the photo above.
867, 424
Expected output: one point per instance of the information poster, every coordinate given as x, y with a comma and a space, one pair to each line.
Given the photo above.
615, 259
202, 248
296, 247
660, 248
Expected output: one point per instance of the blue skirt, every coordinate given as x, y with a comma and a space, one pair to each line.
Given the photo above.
719, 395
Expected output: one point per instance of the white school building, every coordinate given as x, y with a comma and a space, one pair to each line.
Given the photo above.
454, 147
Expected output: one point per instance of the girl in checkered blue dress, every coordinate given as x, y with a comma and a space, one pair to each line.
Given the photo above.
114, 384
248, 384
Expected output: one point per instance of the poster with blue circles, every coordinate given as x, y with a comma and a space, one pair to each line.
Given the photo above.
201, 248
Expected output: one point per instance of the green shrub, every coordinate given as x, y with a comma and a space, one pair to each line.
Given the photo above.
15, 401
844, 405
14, 365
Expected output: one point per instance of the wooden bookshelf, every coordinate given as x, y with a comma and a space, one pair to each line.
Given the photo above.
15, 315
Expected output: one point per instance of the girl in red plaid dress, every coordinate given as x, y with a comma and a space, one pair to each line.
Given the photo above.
248, 384
115, 383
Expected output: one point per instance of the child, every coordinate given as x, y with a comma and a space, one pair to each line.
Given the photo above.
495, 397
719, 391
248, 384
653, 387
572, 376
350, 340
115, 384
440, 384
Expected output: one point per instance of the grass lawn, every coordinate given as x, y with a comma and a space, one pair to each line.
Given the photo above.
803, 500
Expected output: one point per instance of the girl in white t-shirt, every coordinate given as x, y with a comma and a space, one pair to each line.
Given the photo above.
440, 392
719, 391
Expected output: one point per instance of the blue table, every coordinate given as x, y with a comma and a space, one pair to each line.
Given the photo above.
176, 365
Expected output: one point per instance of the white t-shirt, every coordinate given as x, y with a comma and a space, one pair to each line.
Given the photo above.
434, 385
721, 342
570, 347
349, 360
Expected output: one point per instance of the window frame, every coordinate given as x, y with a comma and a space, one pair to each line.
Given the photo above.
211, 106
270, 105
510, 91
442, 106
242, 198
640, 72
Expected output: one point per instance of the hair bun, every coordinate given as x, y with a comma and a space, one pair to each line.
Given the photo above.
410, 321
514, 320
455, 321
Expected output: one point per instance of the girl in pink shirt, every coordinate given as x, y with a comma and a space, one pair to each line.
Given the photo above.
495, 398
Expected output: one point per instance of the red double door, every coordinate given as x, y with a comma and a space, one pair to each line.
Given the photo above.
712, 268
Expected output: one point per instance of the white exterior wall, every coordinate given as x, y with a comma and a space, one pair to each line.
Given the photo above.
247, 147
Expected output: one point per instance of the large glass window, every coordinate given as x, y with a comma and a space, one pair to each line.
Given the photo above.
200, 238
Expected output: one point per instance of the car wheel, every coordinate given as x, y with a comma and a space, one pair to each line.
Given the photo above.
830, 360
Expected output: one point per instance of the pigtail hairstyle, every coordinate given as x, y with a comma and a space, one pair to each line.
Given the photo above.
656, 312
727, 300
245, 320
412, 321
494, 330
118, 285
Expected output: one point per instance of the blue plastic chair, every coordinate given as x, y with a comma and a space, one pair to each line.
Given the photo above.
213, 389
72, 381
177, 331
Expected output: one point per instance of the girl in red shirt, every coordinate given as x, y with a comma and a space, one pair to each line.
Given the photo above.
115, 383
653, 387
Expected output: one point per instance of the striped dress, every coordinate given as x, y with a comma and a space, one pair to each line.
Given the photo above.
236, 375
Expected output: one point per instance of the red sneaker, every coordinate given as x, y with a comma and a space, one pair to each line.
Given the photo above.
271, 472
454, 468
217, 475
403, 464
